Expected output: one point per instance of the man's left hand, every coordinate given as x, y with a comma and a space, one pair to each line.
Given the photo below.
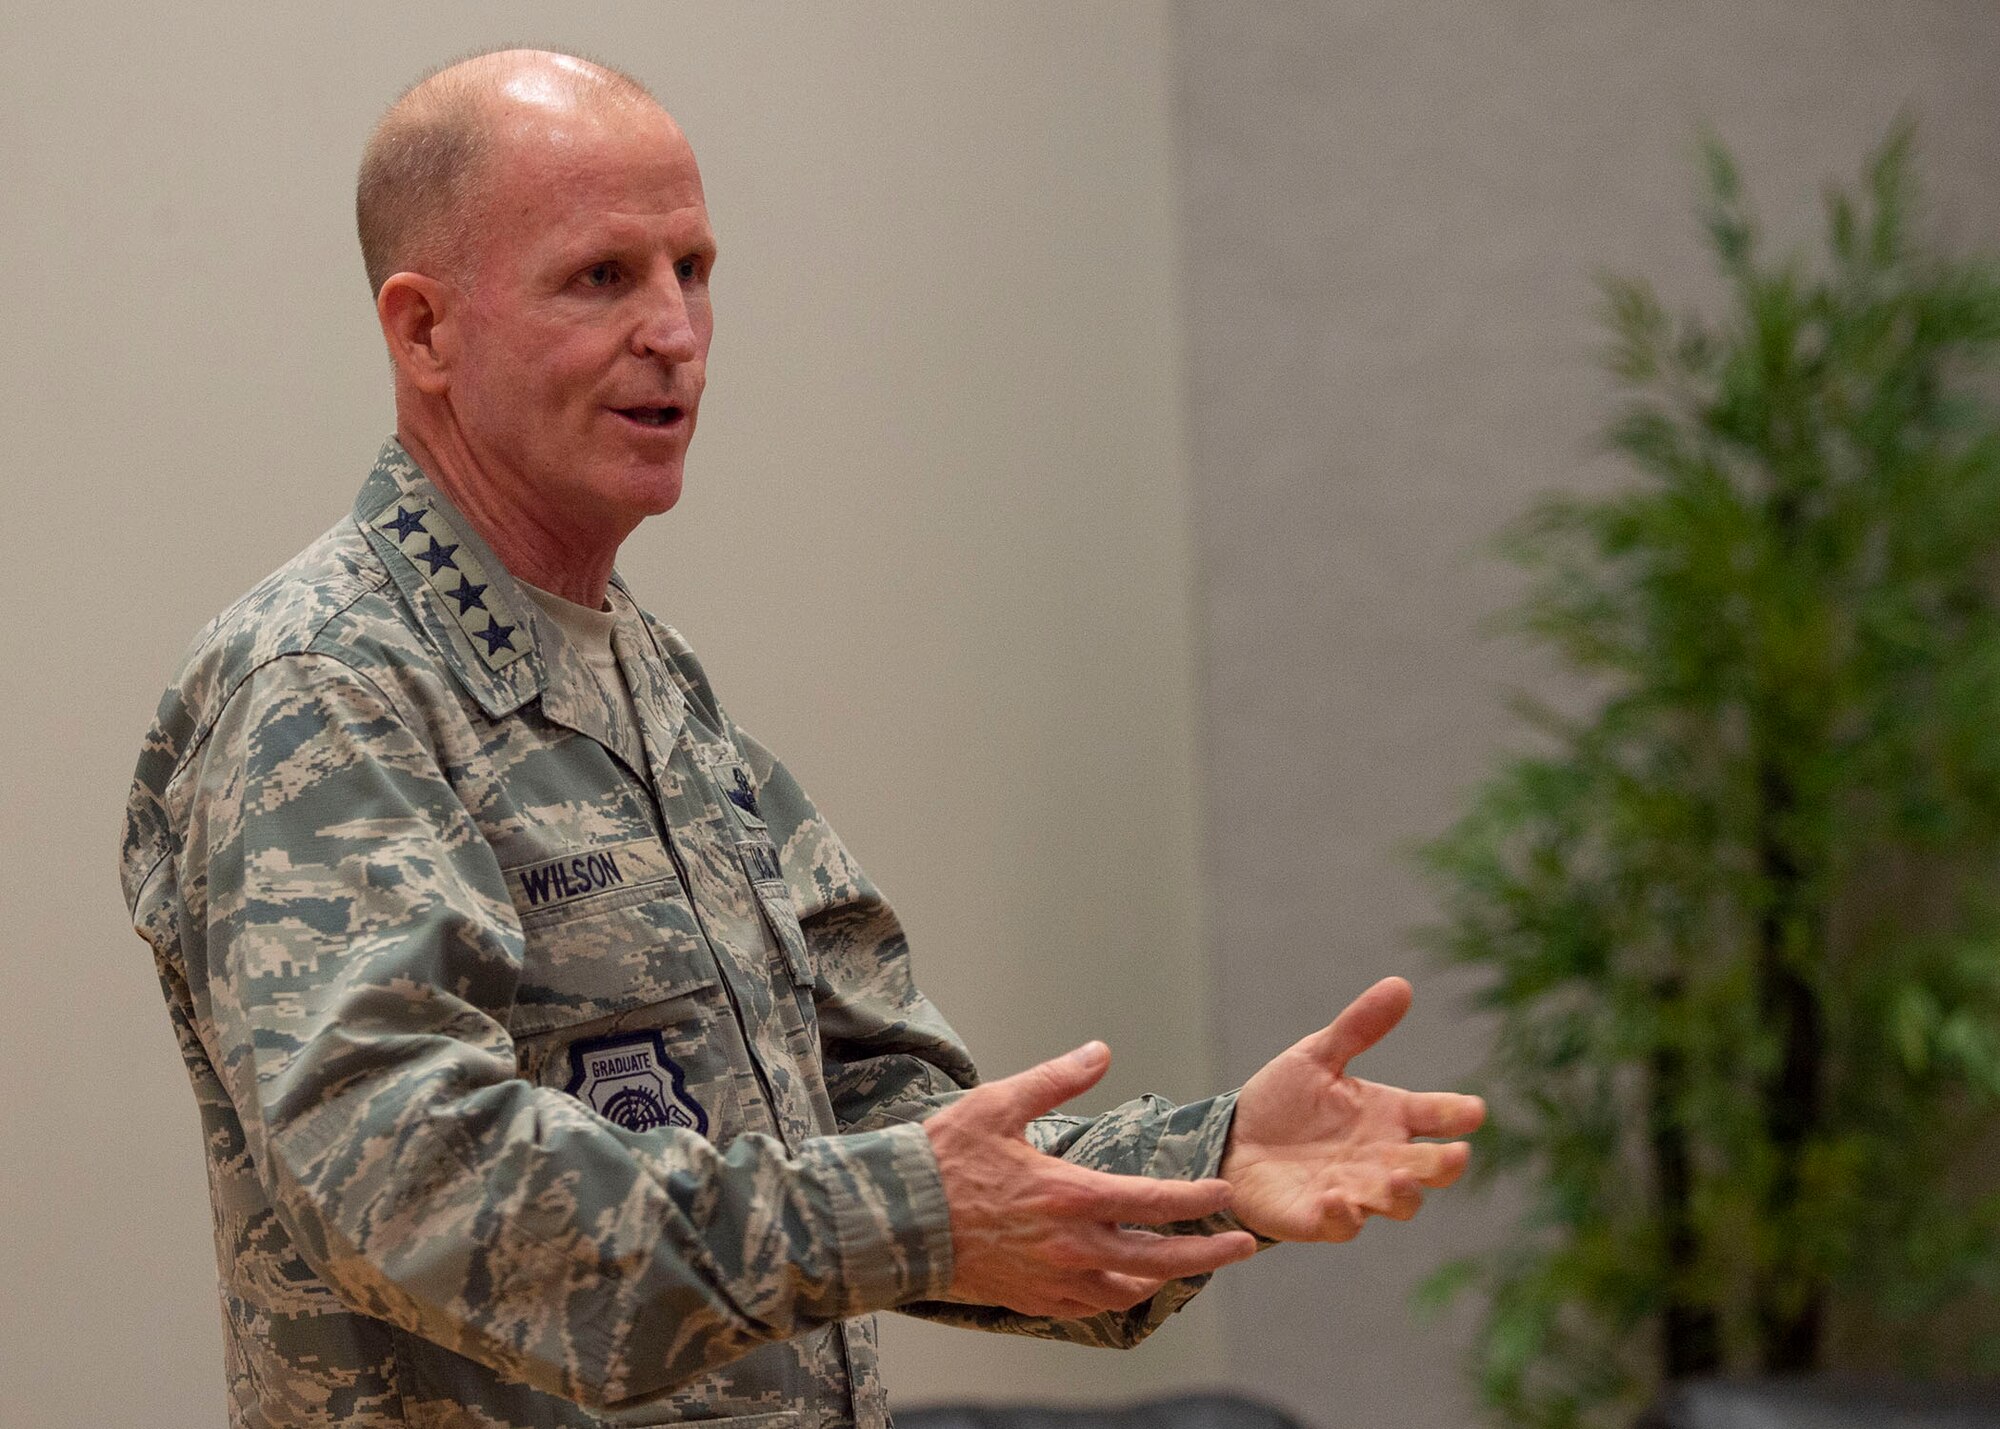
1314, 1152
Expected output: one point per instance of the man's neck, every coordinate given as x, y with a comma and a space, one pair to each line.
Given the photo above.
531, 549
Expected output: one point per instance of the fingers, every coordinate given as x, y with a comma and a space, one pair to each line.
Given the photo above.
1432, 1164
1447, 1164
1107, 1290
1405, 1197
1443, 1114
1019, 1099
1399, 1194
1361, 1024
1394, 1190
1339, 1218
1159, 1258
1097, 1268
1089, 1293
1134, 1200
1396, 1195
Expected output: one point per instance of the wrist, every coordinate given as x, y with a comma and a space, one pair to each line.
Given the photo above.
885, 1199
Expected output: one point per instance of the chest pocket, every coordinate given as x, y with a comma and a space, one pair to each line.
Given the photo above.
774, 900
619, 1002
742, 817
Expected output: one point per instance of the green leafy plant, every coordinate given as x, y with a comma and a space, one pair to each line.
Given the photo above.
1741, 919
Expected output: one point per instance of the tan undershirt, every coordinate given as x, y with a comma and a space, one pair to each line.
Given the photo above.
590, 632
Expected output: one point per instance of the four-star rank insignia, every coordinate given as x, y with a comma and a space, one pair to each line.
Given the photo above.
449, 567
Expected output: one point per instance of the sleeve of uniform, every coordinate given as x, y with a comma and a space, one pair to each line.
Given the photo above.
891, 1058
354, 954
887, 1053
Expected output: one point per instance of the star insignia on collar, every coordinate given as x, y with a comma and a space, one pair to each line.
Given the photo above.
407, 523
498, 637
438, 557
468, 595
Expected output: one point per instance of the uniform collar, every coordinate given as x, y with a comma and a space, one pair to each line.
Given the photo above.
466, 602
490, 633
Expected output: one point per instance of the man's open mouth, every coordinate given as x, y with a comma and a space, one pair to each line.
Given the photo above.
650, 416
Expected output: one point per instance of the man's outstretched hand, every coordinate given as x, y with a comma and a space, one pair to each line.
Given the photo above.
1314, 1152
1042, 1236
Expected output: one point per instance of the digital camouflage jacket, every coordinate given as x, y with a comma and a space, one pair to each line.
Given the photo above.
552, 1071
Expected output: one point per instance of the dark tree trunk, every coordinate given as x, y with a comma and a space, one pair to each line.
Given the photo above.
1691, 1343
1789, 1333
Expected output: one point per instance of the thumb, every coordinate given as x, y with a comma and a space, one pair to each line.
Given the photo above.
1021, 1098
1361, 1024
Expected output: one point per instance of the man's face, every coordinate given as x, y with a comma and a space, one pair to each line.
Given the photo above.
584, 328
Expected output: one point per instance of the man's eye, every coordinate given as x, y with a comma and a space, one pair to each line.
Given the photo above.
688, 269
600, 275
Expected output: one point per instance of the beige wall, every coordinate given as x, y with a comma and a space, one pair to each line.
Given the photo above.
1393, 211
934, 547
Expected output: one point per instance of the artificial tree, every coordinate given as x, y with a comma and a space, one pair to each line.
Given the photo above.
1740, 915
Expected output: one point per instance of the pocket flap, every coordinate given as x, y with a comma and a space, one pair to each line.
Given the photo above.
606, 955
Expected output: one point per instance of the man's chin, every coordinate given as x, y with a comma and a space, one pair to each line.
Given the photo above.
611, 496
662, 494
652, 492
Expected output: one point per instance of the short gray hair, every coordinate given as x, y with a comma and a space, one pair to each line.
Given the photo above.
423, 172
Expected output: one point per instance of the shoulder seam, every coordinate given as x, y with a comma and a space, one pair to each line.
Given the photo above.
194, 748
201, 739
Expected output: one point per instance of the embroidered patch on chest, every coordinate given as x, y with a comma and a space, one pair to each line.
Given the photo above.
567, 878
760, 861
732, 779
736, 784
629, 1079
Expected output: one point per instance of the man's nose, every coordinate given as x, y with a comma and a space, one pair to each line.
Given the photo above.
667, 330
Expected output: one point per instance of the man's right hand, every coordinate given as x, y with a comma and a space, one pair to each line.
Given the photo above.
1040, 1236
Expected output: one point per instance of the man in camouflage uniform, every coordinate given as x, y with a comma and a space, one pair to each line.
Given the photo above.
557, 1065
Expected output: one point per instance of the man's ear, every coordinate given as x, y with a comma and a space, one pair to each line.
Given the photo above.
417, 315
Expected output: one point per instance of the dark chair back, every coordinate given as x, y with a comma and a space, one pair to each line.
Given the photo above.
1187, 1411
1818, 1403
